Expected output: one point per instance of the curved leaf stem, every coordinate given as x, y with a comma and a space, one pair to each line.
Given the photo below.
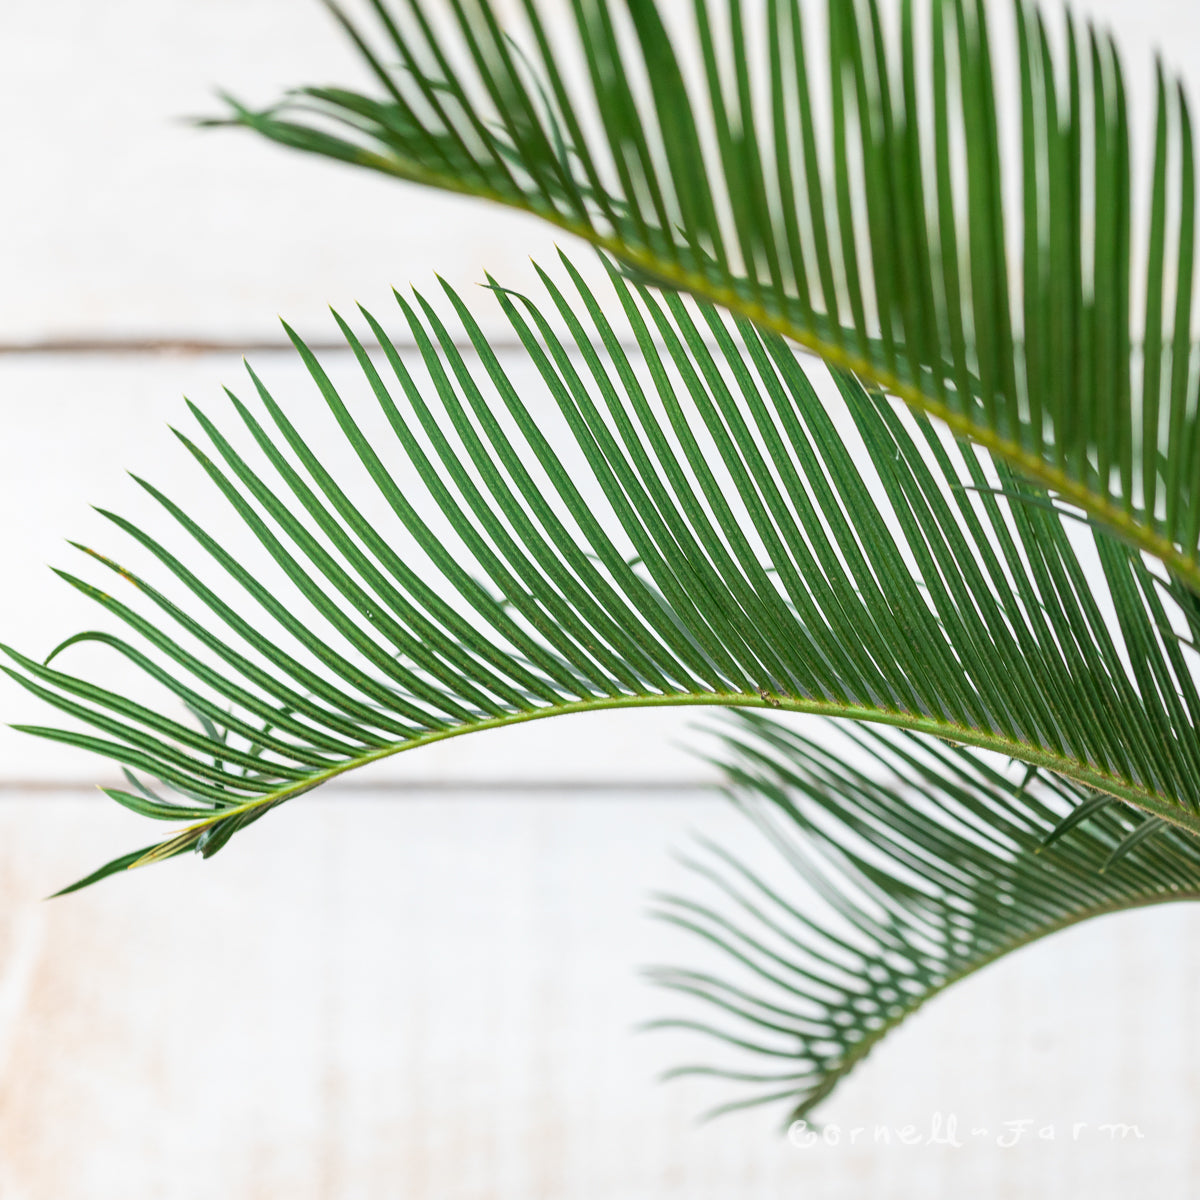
863, 1048
1154, 803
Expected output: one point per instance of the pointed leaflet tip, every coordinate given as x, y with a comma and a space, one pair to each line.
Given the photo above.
1147, 829
57, 649
111, 868
344, 325
242, 115
1075, 817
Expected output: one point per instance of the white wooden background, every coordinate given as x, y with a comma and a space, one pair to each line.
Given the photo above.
421, 985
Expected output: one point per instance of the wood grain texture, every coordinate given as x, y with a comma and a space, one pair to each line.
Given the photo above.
119, 220
435, 999
399, 993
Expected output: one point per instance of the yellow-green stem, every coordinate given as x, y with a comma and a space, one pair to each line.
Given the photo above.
1154, 803
864, 1047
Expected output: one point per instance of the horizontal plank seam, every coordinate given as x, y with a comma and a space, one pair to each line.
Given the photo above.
8, 787
122, 347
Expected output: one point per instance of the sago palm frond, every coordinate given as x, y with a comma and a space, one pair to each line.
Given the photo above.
845, 191
880, 893
921, 586
697, 524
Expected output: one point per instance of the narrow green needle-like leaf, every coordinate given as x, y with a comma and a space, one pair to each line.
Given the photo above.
718, 187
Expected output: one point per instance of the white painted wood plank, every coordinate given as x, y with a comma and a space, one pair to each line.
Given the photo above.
118, 219
435, 999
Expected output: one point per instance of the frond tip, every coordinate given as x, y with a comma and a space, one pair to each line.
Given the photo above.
882, 892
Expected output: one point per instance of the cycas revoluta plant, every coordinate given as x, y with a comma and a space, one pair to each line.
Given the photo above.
982, 540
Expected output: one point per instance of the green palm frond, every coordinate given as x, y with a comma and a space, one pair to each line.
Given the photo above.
903, 578
879, 894
843, 196
984, 527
